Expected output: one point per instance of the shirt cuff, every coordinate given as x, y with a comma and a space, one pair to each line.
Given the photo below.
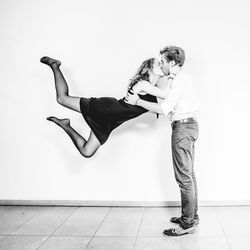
166, 108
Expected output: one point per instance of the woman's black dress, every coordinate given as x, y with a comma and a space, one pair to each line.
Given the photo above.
104, 114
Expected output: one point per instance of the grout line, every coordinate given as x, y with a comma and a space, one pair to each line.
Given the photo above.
65, 220
10, 233
114, 203
118, 236
136, 237
99, 227
58, 227
4, 211
89, 236
3, 238
225, 235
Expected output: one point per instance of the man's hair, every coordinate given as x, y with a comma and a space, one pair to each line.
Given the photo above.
173, 53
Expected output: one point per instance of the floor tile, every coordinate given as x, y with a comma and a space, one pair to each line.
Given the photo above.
46, 221
21, 242
114, 243
209, 224
2, 236
15, 217
239, 243
235, 221
3, 209
30, 227
155, 220
204, 243
84, 222
157, 243
121, 222
65, 243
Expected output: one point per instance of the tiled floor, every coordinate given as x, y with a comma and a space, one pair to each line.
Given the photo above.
69, 228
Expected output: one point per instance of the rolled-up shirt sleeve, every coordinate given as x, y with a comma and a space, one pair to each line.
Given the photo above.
173, 97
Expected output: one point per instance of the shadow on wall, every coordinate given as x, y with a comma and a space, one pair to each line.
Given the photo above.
143, 124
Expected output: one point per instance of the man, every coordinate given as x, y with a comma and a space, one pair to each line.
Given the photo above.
178, 102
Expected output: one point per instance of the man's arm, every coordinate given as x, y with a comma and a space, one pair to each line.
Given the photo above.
151, 106
168, 104
159, 108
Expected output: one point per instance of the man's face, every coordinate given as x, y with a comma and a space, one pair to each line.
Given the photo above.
165, 65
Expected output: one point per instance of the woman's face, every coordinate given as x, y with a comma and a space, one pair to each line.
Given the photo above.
165, 65
156, 69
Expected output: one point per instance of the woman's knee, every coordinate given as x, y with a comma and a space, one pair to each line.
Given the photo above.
71, 102
61, 100
87, 153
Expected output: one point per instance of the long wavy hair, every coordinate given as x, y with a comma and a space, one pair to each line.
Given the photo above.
142, 73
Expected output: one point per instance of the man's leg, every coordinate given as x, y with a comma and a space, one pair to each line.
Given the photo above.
196, 217
183, 139
183, 168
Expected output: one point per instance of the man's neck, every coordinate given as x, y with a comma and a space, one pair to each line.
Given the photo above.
175, 70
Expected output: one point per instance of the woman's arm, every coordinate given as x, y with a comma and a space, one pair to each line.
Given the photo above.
133, 99
151, 106
147, 87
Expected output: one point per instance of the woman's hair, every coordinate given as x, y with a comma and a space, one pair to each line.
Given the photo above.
142, 73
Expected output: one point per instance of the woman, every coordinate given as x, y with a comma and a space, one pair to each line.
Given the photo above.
101, 114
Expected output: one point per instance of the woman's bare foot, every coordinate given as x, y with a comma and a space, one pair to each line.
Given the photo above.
49, 61
60, 122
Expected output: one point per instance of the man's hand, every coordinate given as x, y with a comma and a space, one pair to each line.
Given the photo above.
173, 71
131, 98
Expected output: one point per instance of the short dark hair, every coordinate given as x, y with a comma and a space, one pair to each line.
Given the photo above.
173, 53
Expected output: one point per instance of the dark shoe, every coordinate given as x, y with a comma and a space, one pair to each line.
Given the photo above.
177, 220
179, 231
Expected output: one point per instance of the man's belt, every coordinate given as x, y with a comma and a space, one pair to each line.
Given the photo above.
190, 119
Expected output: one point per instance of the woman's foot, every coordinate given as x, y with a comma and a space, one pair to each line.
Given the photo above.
60, 122
49, 61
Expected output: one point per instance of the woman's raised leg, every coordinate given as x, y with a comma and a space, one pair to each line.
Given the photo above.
86, 148
62, 90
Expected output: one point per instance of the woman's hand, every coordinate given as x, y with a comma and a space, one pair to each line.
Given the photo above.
131, 97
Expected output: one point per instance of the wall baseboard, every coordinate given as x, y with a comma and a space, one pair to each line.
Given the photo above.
96, 203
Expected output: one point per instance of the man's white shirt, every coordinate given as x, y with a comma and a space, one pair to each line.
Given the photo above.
181, 101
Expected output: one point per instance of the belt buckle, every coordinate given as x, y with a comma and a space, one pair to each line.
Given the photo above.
182, 120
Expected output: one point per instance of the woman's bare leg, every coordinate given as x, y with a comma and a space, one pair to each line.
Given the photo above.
86, 148
62, 90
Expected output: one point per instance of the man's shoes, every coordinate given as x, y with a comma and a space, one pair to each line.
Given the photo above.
177, 220
178, 231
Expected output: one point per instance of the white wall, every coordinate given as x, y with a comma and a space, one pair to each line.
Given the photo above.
101, 44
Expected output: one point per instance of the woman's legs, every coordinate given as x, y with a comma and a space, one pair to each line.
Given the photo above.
62, 90
86, 148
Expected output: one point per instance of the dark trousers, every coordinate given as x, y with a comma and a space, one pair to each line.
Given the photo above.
184, 136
